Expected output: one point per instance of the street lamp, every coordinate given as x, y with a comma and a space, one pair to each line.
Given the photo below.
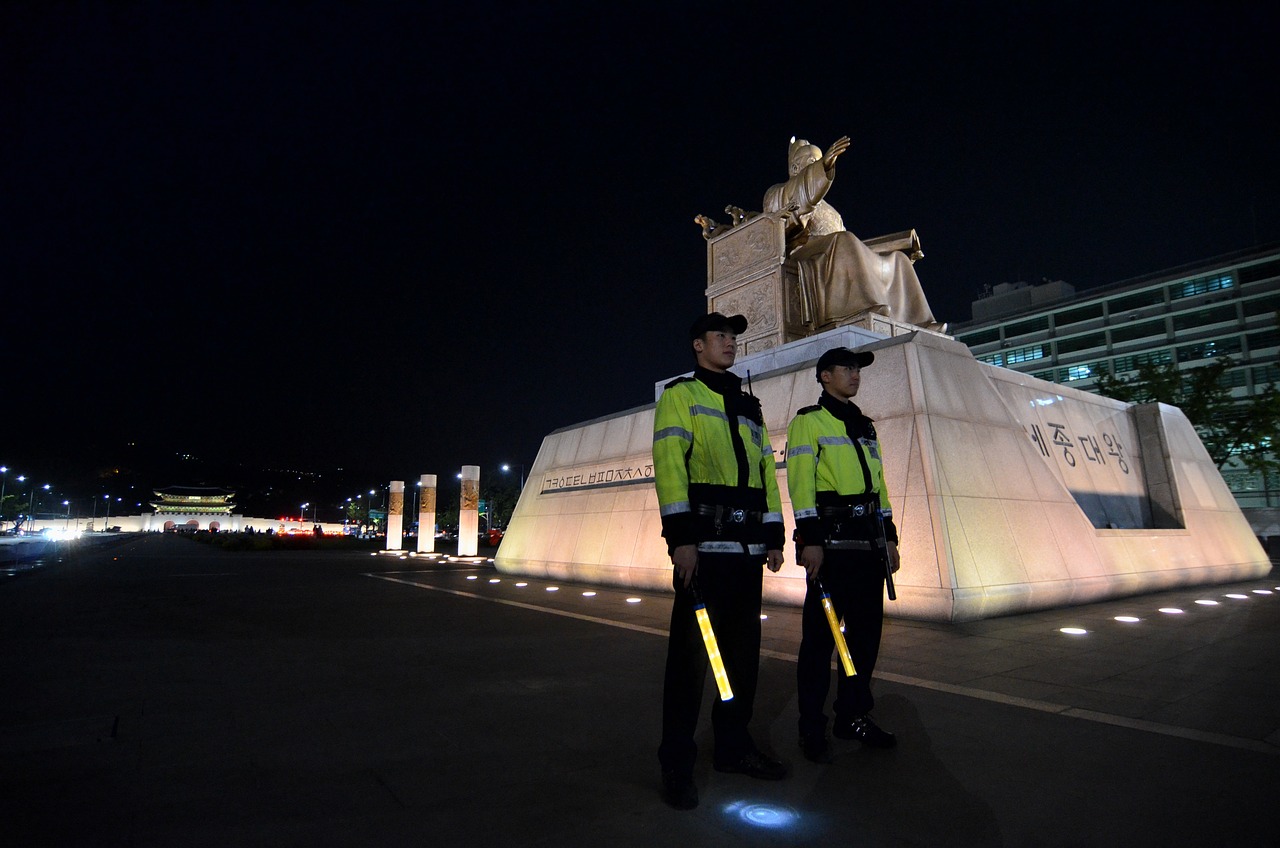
4, 478
22, 479
31, 507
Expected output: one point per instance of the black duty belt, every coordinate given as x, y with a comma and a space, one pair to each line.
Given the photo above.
853, 545
728, 514
858, 510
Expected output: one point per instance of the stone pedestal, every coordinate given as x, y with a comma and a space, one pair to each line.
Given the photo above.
1010, 493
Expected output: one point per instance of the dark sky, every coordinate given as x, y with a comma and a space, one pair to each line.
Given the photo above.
399, 239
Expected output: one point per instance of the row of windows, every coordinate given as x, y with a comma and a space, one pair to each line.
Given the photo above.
1232, 379
1197, 320
1203, 285
1225, 346
1137, 300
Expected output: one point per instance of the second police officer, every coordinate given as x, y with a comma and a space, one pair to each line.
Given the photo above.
845, 538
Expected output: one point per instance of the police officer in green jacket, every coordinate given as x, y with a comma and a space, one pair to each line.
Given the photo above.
844, 535
722, 518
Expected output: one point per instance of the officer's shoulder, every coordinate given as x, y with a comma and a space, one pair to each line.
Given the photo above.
677, 381
806, 410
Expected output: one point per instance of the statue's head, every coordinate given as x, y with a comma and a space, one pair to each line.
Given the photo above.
801, 154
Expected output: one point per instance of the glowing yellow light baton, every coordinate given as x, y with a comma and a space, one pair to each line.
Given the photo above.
713, 648
841, 645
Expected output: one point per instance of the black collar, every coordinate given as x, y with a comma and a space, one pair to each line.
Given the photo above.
845, 411
720, 382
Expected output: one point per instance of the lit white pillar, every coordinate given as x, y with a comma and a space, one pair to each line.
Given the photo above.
395, 516
469, 511
427, 514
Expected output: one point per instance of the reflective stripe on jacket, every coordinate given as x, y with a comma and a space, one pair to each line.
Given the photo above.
693, 446
825, 466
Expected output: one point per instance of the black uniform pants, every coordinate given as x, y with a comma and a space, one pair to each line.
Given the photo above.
730, 586
855, 581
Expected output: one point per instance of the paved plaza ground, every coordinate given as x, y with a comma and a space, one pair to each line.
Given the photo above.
161, 692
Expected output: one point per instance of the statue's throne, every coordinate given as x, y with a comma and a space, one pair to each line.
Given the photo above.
748, 273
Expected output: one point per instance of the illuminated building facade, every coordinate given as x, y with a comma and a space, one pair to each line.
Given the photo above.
1220, 307
183, 502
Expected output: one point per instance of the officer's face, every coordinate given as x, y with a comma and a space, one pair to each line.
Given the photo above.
842, 381
716, 350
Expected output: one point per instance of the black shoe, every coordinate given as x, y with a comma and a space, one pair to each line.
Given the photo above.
754, 764
816, 749
678, 790
865, 731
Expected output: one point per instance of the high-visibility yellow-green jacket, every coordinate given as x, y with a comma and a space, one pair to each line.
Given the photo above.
711, 448
833, 458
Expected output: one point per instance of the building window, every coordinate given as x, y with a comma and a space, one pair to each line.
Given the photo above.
1262, 306
1261, 271
1264, 374
1080, 372
1023, 327
1121, 305
1208, 350
1081, 343
1075, 316
1204, 317
1234, 378
991, 358
981, 337
1025, 354
1202, 285
1137, 331
1263, 339
1122, 364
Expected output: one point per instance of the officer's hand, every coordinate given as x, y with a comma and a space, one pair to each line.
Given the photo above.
895, 562
775, 561
811, 558
685, 559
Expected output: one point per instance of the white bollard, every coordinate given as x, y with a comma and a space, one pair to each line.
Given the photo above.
427, 514
469, 511
395, 516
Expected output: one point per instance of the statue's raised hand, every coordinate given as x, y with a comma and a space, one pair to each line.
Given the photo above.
840, 145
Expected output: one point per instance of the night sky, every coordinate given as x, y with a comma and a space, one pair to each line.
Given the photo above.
394, 239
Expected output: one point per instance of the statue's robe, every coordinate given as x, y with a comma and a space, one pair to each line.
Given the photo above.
839, 275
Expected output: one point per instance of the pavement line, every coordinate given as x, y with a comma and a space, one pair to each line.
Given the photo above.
907, 680
639, 628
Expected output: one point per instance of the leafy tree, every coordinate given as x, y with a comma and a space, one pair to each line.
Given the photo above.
357, 513
9, 508
1246, 429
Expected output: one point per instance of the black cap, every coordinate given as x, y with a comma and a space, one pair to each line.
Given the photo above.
714, 321
843, 356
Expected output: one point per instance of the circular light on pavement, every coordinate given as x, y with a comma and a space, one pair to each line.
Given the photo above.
1170, 610
1128, 619
1073, 631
